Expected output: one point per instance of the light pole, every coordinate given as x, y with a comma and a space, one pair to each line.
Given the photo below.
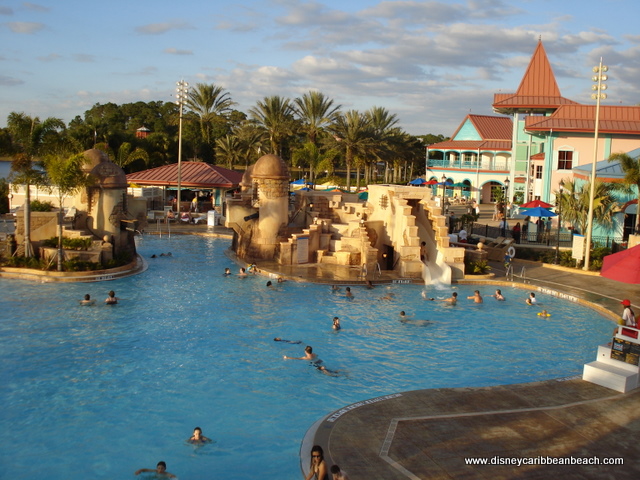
444, 186
598, 87
559, 205
182, 92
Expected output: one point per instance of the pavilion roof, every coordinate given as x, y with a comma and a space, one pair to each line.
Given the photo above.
192, 175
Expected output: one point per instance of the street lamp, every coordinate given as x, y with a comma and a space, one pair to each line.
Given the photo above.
506, 189
182, 93
444, 186
597, 88
559, 205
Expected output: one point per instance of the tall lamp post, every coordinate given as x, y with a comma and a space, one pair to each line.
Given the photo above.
182, 92
559, 205
506, 202
444, 186
597, 88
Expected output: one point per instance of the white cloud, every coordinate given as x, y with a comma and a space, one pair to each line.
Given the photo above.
165, 27
176, 51
25, 27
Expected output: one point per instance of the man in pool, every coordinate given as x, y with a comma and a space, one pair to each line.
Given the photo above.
87, 300
453, 299
111, 299
278, 339
197, 438
161, 469
532, 299
476, 297
308, 355
336, 323
348, 293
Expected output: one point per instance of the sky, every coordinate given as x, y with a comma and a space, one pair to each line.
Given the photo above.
429, 62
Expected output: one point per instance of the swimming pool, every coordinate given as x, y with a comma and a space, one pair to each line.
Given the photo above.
98, 392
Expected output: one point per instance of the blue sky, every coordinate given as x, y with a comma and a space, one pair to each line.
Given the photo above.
429, 62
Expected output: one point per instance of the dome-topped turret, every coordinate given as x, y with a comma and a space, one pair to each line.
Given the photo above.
270, 166
107, 173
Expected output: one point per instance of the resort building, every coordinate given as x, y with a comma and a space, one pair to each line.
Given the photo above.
542, 138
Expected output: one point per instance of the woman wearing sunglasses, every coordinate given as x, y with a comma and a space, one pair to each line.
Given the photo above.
317, 467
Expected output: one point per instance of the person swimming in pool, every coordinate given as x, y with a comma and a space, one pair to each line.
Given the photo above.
453, 299
86, 301
498, 295
336, 323
227, 271
278, 339
476, 297
308, 355
161, 469
348, 293
326, 371
111, 299
198, 437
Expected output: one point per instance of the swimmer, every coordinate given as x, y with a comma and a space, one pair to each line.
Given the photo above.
111, 299
87, 300
348, 292
338, 474
168, 254
278, 339
154, 256
532, 299
388, 296
336, 323
476, 297
269, 284
227, 271
498, 295
335, 288
197, 437
424, 295
161, 469
326, 371
544, 313
253, 269
243, 272
281, 280
308, 355
453, 299
369, 285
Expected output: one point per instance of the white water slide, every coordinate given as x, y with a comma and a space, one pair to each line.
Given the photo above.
435, 271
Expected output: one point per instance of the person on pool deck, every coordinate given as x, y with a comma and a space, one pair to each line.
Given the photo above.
498, 295
532, 299
278, 339
308, 355
161, 469
336, 323
476, 297
337, 474
453, 299
317, 466
197, 437
111, 299
87, 300
627, 314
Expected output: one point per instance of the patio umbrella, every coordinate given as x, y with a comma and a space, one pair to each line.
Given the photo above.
536, 203
432, 182
363, 195
538, 212
623, 266
417, 181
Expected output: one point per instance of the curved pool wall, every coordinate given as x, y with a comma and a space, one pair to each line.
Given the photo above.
93, 392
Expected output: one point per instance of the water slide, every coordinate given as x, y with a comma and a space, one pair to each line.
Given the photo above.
436, 271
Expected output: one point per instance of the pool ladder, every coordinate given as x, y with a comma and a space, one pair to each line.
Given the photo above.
510, 275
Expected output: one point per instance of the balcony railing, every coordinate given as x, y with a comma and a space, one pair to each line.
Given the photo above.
467, 165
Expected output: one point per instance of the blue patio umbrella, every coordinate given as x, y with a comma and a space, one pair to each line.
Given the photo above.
538, 212
417, 181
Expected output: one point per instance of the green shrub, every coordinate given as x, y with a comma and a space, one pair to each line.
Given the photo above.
479, 267
38, 206
68, 243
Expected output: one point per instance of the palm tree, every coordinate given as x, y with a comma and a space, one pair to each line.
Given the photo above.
275, 115
318, 159
30, 138
385, 138
64, 172
127, 155
574, 202
208, 102
229, 150
631, 168
316, 112
352, 133
252, 139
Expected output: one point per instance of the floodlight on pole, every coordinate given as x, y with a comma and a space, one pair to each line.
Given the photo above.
182, 93
598, 87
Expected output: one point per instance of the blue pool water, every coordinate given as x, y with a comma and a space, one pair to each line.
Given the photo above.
98, 392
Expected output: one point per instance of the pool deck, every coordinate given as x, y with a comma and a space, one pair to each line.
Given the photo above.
429, 434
